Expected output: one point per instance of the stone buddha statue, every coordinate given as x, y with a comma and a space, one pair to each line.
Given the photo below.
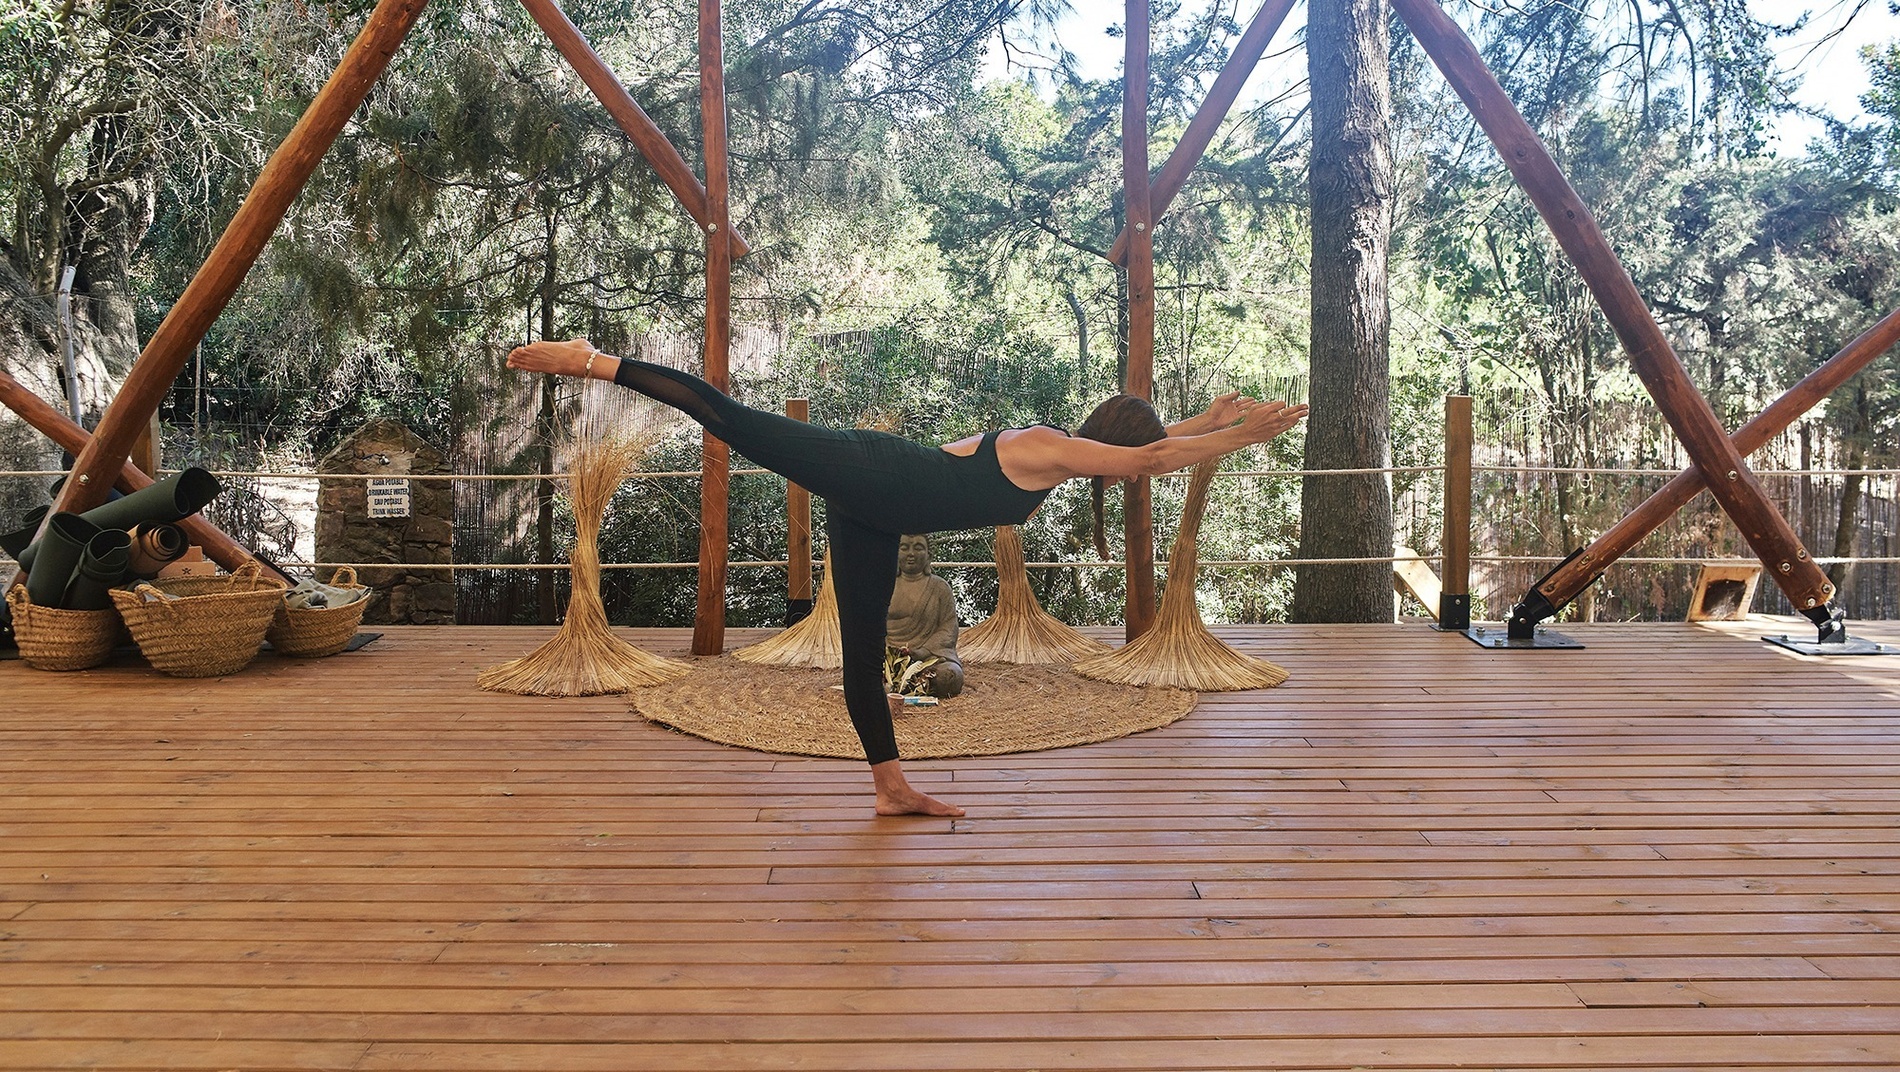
923, 616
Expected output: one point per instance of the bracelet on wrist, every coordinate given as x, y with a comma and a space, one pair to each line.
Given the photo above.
591, 355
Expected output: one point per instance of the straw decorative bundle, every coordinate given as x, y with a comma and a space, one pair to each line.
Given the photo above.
585, 658
813, 641
1021, 631
1179, 650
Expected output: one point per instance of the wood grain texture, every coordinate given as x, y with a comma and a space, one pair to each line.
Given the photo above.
1675, 849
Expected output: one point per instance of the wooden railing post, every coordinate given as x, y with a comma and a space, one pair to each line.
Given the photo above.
1454, 599
798, 590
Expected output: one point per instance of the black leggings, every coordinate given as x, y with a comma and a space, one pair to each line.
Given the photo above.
863, 557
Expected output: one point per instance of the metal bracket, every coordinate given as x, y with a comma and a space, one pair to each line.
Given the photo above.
1454, 612
1844, 646
1506, 637
1831, 623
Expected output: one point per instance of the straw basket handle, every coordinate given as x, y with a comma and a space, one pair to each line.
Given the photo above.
150, 593
17, 597
344, 576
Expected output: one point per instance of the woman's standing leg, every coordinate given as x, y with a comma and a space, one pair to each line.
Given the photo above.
863, 574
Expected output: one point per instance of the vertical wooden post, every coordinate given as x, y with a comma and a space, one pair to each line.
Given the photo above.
633, 120
1454, 599
1731, 482
1138, 508
798, 591
709, 622
238, 247
1207, 119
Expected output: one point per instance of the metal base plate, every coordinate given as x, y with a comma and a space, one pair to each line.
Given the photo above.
1853, 645
1496, 635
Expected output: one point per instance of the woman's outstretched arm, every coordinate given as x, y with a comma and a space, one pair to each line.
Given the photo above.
1042, 457
1220, 413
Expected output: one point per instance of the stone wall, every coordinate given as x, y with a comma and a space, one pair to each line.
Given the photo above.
404, 594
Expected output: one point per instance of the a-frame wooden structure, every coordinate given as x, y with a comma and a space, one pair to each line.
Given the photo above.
1718, 458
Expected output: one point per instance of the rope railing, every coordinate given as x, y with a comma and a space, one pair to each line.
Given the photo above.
1230, 563
1091, 564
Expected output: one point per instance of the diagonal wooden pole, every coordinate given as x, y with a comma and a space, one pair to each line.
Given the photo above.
671, 168
238, 247
1200, 130
1741, 495
1564, 583
1137, 499
70, 437
709, 620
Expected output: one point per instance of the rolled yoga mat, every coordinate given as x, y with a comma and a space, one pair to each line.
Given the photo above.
101, 568
59, 553
178, 496
16, 542
153, 548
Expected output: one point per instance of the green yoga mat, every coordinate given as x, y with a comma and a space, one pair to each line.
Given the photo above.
172, 499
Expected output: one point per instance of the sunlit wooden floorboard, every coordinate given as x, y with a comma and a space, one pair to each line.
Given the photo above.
1678, 848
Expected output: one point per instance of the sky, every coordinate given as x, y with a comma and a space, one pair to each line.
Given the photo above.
1832, 75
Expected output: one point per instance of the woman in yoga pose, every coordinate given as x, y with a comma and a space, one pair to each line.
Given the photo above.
878, 486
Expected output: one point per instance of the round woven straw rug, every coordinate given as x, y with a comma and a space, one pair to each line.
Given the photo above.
1003, 708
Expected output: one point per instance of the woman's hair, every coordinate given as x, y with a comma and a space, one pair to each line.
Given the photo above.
1125, 421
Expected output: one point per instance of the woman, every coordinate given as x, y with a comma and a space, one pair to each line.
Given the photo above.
878, 486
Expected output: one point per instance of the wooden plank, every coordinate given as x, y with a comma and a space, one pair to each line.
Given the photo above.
1391, 860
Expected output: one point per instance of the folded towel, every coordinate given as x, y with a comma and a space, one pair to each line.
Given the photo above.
315, 595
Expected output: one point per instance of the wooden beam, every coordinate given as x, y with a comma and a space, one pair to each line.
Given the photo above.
1137, 503
633, 120
1688, 413
73, 439
1566, 581
238, 247
1200, 130
709, 622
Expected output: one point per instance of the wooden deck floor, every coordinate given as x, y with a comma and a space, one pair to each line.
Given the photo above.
1676, 849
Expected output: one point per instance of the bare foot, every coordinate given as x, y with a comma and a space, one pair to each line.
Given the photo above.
560, 358
896, 797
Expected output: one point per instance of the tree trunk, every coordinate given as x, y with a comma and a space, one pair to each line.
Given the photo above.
1350, 426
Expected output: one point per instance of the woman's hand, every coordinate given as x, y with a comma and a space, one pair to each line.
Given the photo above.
1226, 409
1264, 420
560, 358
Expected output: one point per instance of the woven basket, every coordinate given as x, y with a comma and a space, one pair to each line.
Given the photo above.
310, 633
214, 628
54, 639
